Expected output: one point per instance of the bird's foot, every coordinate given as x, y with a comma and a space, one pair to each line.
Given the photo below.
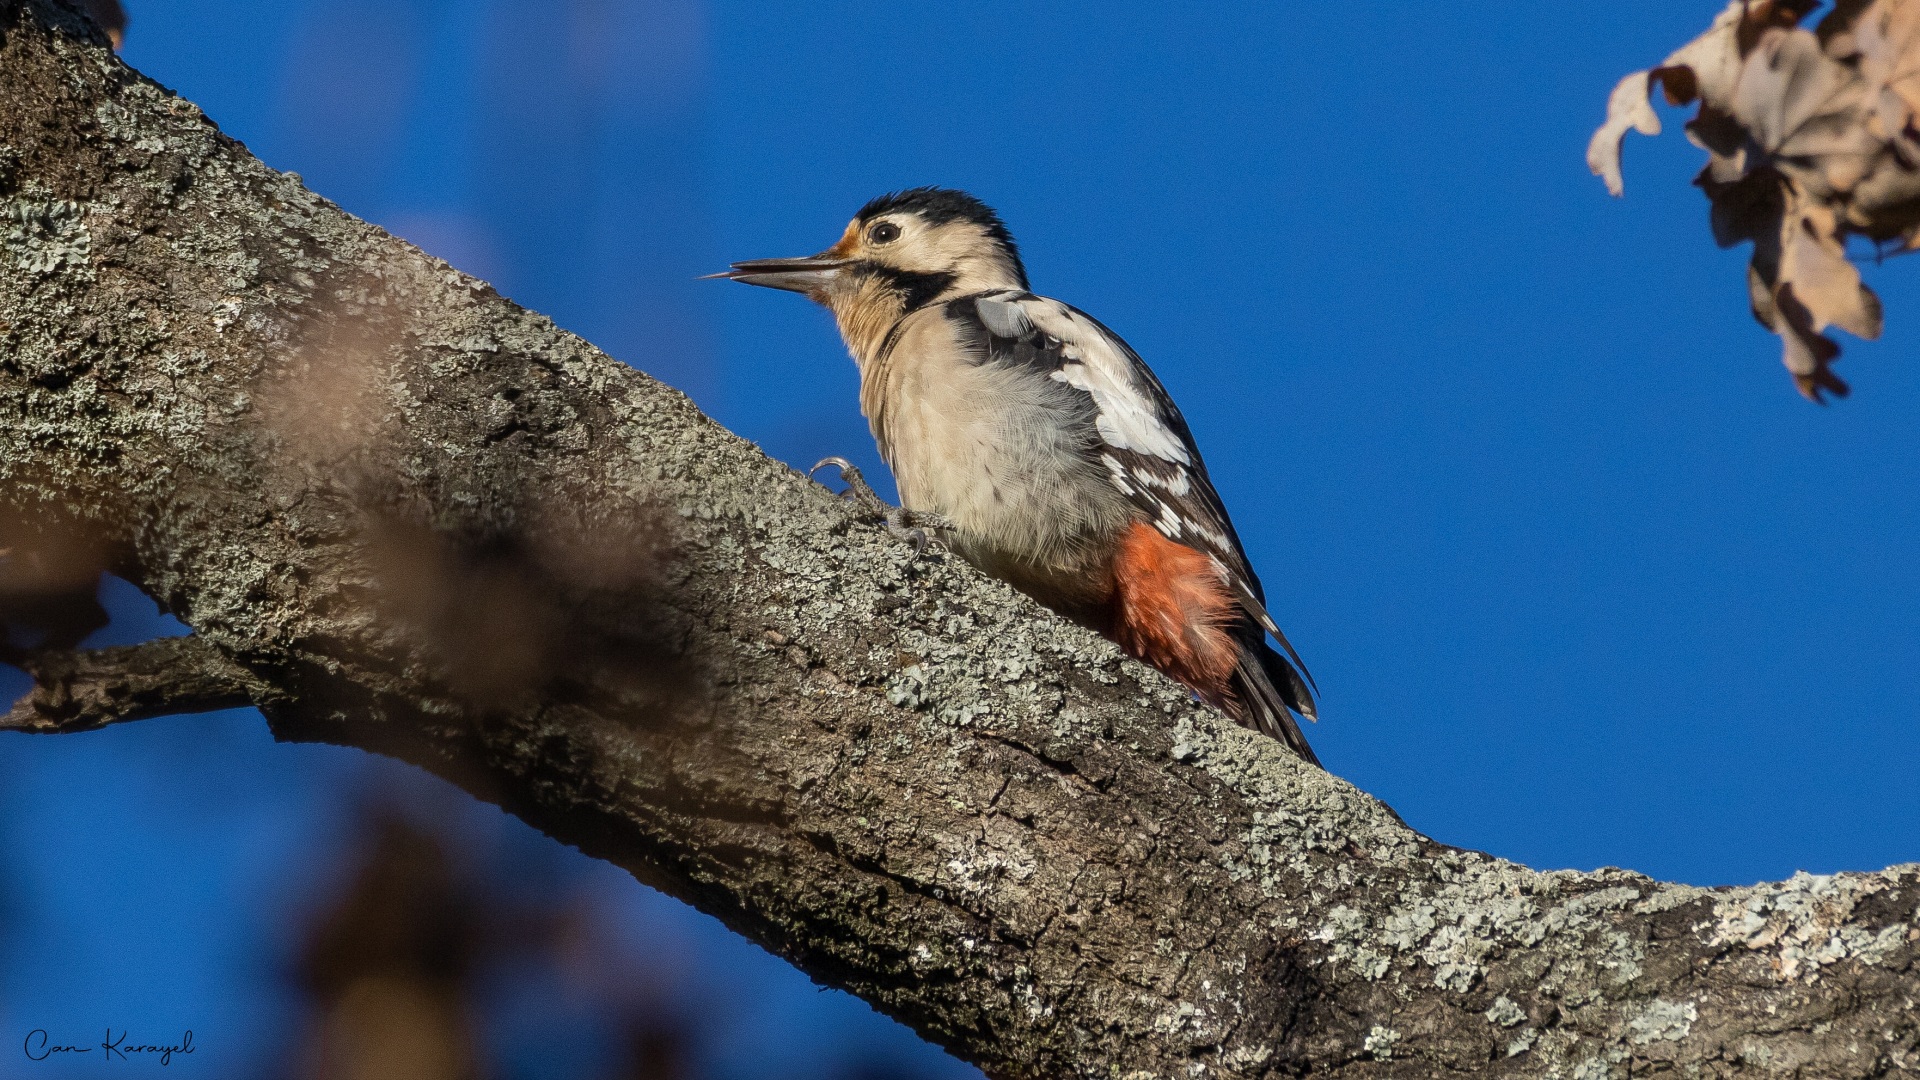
907, 526
858, 490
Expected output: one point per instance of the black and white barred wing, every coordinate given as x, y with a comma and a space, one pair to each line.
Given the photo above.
1145, 443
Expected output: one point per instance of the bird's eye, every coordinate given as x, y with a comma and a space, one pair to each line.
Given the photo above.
884, 233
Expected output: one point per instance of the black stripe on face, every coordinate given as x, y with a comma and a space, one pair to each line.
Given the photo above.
915, 290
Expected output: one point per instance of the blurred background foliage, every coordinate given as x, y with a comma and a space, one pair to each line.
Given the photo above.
314, 913
1585, 582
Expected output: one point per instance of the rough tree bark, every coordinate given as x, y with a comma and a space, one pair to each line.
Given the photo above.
403, 514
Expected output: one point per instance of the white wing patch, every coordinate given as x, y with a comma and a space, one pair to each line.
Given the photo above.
1157, 471
1118, 470
1211, 536
1169, 523
1146, 460
1176, 485
1127, 417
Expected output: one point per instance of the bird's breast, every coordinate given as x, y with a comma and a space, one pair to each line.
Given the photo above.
1004, 452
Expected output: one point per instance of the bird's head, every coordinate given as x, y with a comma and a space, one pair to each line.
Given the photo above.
901, 252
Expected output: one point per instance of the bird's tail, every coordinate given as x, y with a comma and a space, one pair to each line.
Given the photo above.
1269, 692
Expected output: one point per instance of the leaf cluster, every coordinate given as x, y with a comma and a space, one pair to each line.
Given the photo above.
1812, 139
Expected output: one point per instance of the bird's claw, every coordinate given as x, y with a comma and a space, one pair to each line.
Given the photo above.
911, 526
907, 526
847, 468
907, 535
857, 487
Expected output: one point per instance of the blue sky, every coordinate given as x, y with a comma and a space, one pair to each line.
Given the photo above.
1584, 581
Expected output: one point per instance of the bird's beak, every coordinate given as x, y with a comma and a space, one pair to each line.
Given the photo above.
811, 275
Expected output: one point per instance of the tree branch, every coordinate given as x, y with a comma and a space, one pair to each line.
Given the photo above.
430, 524
84, 691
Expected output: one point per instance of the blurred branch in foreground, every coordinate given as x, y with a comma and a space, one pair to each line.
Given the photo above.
1811, 139
388, 968
903, 777
435, 962
110, 16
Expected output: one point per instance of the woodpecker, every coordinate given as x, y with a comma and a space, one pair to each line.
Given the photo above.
1045, 448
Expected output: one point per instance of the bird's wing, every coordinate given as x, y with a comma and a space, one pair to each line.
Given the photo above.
1145, 445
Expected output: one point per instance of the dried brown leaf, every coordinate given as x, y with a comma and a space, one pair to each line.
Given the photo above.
1808, 356
1836, 26
1887, 38
1725, 142
1806, 111
1812, 136
1745, 210
1706, 67
1886, 203
1628, 109
1814, 267
1800, 280
1764, 15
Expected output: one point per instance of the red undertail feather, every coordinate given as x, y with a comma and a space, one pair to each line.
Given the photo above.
1171, 610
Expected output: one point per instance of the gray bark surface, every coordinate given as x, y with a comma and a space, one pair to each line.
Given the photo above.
403, 514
